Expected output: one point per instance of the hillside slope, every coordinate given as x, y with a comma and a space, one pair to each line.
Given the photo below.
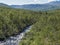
14, 21
4, 5
46, 31
37, 7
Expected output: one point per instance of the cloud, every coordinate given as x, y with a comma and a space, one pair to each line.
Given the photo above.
50, 0
21, 2
35, 0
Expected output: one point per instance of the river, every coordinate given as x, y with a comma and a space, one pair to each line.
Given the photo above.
15, 40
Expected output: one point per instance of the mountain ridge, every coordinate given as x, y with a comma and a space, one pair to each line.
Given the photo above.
37, 7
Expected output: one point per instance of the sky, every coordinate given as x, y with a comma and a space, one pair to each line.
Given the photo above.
21, 2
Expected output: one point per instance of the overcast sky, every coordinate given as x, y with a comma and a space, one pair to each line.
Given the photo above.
21, 2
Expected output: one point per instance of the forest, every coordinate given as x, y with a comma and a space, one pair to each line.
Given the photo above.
14, 21
45, 30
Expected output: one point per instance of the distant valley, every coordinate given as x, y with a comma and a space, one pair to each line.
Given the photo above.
36, 7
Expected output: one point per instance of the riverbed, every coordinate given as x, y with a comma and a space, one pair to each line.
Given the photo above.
15, 40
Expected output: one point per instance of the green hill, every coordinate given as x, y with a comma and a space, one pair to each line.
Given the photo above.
4, 5
46, 31
13, 21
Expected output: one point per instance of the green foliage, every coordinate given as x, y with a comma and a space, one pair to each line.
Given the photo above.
46, 31
13, 21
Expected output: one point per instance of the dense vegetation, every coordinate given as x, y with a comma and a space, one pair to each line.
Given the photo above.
46, 31
13, 21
